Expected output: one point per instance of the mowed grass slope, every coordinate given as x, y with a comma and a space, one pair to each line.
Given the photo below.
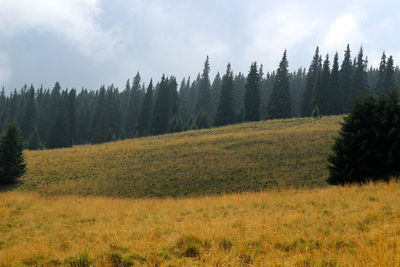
245, 157
331, 226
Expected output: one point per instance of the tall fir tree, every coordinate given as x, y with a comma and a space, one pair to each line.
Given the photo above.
203, 99
334, 95
379, 87
345, 79
309, 89
133, 108
389, 82
30, 114
12, 163
252, 95
226, 109
280, 100
359, 81
161, 107
144, 123
99, 123
324, 89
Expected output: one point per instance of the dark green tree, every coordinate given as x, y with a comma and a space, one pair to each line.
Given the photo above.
345, 79
29, 117
203, 99
99, 123
309, 89
359, 81
389, 82
144, 123
133, 109
226, 110
161, 107
12, 163
34, 141
280, 100
334, 95
202, 121
379, 87
252, 95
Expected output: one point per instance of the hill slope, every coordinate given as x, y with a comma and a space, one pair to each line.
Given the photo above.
245, 157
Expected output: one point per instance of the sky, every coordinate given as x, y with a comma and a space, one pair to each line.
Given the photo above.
88, 43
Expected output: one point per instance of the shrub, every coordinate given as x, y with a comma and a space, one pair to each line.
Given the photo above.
368, 146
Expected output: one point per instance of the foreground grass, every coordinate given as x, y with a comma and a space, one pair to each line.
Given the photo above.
245, 157
357, 226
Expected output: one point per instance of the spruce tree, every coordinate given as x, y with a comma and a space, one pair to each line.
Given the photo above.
389, 82
144, 122
309, 89
133, 109
359, 81
215, 93
345, 79
99, 123
34, 141
252, 95
203, 99
334, 95
280, 100
225, 110
12, 163
323, 89
161, 107
29, 117
379, 87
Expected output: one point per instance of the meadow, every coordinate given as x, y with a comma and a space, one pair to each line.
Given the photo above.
248, 157
330, 226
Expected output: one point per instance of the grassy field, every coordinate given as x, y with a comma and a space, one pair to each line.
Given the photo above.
246, 157
331, 226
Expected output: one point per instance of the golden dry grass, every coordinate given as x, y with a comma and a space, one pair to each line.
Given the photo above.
245, 157
331, 226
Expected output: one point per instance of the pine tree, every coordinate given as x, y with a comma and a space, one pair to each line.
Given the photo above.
12, 163
345, 79
29, 117
280, 100
144, 122
59, 135
359, 82
388, 82
252, 95
161, 107
309, 89
225, 110
379, 88
34, 141
99, 124
334, 94
215, 93
133, 109
203, 99
323, 89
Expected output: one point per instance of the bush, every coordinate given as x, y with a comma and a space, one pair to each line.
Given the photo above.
368, 145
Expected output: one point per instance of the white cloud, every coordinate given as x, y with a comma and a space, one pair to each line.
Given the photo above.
5, 71
72, 20
343, 30
276, 30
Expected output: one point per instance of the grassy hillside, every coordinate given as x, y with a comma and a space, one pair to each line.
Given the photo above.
331, 226
245, 157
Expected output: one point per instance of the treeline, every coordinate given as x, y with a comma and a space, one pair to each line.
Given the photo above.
57, 117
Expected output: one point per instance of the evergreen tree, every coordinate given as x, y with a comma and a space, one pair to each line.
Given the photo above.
202, 121
359, 82
379, 88
12, 164
252, 95
34, 141
388, 82
309, 89
133, 109
144, 122
59, 135
99, 124
322, 89
215, 93
334, 95
225, 111
29, 117
161, 107
345, 79
203, 100
280, 100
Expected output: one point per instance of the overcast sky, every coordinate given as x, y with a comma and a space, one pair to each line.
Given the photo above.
87, 43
